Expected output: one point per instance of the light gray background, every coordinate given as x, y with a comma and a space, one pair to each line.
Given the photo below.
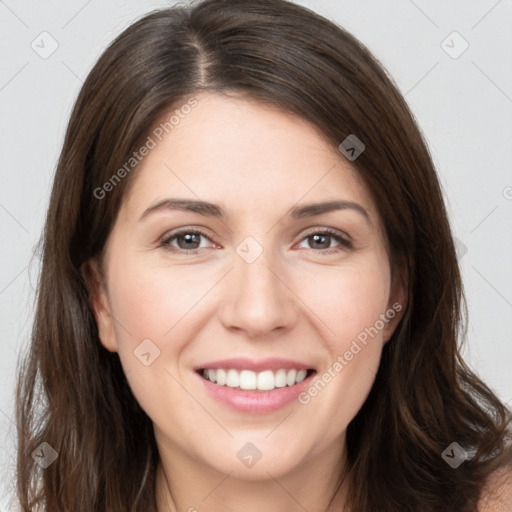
463, 105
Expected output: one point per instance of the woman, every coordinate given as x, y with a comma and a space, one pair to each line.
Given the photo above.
249, 296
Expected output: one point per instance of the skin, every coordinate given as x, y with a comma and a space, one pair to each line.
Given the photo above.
294, 301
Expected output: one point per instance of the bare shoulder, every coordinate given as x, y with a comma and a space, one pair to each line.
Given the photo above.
497, 494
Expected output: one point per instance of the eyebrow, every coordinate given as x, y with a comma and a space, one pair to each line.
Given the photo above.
213, 210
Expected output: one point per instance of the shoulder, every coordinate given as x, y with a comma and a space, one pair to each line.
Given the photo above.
497, 493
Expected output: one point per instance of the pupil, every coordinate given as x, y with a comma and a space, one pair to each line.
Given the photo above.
193, 239
316, 240
190, 238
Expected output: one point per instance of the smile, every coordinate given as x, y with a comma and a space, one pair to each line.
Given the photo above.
251, 386
266, 380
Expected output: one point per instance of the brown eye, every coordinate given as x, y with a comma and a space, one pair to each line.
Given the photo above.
188, 241
184, 241
321, 241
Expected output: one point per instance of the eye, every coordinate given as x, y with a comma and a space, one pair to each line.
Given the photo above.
188, 241
321, 239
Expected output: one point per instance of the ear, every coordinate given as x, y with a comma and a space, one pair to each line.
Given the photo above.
396, 305
98, 300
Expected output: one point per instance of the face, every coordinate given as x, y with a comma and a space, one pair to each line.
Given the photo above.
249, 322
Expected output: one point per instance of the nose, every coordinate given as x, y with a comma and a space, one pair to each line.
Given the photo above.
259, 300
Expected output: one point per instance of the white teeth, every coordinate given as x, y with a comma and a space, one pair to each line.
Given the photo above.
249, 380
220, 378
233, 379
266, 380
290, 377
301, 375
280, 378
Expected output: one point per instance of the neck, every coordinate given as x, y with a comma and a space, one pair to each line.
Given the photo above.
191, 488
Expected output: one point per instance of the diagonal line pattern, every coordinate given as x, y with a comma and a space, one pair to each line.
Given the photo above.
13, 13
218, 485
14, 76
424, 14
312, 187
223, 223
302, 302
198, 403
492, 81
12, 280
280, 423
421, 79
13, 218
488, 215
76, 14
121, 325
286, 491
27, 438
72, 71
493, 287
485, 15
8, 417
200, 299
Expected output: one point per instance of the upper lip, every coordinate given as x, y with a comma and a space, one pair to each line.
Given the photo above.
242, 363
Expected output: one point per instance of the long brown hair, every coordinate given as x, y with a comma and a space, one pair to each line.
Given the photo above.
72, 393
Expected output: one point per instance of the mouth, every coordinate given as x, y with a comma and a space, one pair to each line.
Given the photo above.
254, 386
249, 380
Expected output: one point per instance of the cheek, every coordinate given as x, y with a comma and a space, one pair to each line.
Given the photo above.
158, 311
347, 299
151, 306
151, 300
349, 302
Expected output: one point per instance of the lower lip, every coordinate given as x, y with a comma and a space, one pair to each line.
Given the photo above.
256, 402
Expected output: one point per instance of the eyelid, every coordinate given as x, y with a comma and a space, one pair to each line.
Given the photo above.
164, 241
331, 231
344, 239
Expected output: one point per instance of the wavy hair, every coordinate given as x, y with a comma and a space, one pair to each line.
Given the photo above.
72, 392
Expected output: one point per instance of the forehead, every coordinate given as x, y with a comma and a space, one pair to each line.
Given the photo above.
242, 153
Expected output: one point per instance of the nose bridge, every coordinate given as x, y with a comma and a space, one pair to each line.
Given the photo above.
258, 301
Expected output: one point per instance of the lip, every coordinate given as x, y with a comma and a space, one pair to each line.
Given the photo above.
255, 402
241, 363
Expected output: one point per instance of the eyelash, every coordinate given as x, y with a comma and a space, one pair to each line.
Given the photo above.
345, 244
